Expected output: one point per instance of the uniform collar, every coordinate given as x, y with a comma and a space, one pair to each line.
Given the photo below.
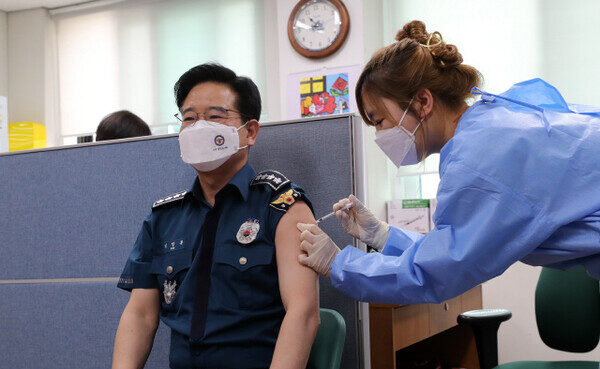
241, 180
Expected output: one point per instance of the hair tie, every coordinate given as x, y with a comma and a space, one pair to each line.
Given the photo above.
437, 35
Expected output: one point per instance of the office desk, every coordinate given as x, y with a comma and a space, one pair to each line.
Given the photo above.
403, 333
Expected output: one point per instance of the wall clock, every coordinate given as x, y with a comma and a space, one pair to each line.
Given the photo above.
318, 28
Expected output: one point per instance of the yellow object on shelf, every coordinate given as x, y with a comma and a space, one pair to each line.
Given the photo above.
26, 135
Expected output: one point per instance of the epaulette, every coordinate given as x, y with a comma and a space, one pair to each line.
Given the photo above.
272, 178
171, 198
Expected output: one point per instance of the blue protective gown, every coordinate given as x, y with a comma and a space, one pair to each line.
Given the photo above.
520, 180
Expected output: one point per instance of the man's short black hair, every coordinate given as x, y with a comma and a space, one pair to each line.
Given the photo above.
247, 102
121, 124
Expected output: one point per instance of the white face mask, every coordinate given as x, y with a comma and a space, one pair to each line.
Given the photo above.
398, 143
207, 145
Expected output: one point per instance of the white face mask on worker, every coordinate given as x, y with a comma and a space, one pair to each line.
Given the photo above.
398, 143
207, 145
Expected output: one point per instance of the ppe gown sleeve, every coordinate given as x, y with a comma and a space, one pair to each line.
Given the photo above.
399, 240
482, 227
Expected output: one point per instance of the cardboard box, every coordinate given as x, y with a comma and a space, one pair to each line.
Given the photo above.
409, 214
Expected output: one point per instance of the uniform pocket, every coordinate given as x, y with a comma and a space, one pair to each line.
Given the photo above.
250, 276
170, 270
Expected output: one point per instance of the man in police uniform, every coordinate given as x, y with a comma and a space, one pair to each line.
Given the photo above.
219, 263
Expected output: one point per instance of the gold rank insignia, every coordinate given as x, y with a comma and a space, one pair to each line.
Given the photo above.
285, 200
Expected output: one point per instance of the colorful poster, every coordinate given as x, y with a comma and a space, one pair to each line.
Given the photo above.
321, 92
3, 124
324, 95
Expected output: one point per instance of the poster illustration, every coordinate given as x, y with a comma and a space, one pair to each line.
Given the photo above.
324, 95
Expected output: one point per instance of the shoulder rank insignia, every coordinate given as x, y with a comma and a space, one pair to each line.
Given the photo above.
285, 200
168, 199
272, 178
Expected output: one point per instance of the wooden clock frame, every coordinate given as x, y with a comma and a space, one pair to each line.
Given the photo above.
339, 41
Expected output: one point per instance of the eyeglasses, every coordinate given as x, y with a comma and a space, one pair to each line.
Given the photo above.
214, 113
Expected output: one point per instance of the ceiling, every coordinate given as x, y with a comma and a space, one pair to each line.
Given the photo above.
12, 5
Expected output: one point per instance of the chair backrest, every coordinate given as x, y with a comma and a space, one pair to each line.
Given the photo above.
567, 309
326, 352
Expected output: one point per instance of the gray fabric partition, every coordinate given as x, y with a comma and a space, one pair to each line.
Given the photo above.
69, 217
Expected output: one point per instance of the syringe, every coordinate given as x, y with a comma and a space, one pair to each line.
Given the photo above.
345, 207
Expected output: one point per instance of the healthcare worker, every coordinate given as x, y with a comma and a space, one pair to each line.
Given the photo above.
519, 171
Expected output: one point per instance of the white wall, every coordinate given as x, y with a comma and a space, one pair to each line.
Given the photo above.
26, 65
31, 72
571, 61
291, 62
3, 54
364, 38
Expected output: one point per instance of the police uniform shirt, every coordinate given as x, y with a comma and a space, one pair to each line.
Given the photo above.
245, 310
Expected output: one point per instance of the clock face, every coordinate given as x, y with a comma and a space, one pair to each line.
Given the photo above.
317, 25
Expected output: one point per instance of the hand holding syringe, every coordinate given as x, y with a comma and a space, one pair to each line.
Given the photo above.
345, 207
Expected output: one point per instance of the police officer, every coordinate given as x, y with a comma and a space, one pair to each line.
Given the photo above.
218, 263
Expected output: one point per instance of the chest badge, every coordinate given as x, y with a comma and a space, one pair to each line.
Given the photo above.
169, 291
248, 231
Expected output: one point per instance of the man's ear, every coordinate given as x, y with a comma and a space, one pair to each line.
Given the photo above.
252, 127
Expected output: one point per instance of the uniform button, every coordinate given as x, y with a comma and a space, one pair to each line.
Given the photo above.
169, 269
243, 261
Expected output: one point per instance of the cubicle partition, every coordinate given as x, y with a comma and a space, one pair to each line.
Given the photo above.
69, 217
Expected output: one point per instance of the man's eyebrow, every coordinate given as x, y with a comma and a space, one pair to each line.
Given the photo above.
218, 107
186, 110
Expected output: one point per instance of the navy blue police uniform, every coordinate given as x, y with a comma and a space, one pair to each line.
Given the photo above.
224, 309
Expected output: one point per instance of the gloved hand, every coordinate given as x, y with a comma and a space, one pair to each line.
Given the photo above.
320, 249
359, 222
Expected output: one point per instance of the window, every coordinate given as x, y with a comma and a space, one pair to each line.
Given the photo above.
129, 55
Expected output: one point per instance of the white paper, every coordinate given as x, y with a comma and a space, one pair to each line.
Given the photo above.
414, 219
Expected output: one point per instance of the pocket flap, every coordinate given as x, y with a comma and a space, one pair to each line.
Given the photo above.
246, 258
172, 263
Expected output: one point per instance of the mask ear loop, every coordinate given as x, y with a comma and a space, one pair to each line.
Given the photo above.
400, 127
237, 129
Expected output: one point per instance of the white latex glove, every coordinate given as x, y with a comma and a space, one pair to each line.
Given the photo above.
359, 222
320, 249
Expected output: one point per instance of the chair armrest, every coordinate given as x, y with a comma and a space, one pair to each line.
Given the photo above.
485, 324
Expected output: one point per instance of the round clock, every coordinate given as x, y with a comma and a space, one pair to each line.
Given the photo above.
317, 28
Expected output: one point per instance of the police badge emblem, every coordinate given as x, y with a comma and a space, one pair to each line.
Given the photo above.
169, 291
248, 231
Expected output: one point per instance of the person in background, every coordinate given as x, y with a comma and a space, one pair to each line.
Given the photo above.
218, 263
121, 124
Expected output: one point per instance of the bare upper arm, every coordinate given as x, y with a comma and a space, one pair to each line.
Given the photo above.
144, 302
298, 285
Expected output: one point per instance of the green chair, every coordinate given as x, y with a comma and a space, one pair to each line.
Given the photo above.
326, 352
567, 310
